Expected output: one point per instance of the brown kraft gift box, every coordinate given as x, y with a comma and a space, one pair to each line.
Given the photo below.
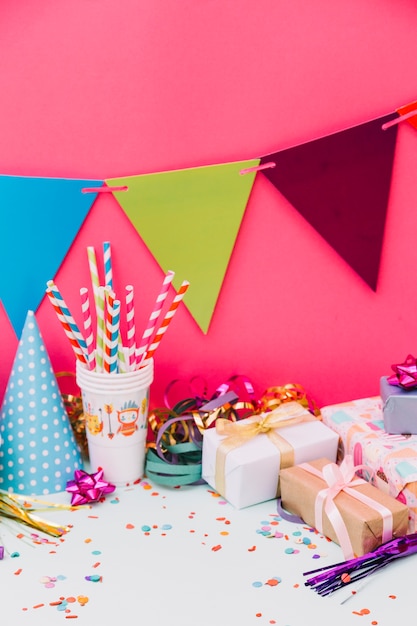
299, 489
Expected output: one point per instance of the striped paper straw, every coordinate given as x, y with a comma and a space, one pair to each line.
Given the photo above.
150, 327
166, 321
99, 303
111, 335
79, 354
100, 329
67, 314
108, 269
131, 329
88, 328
110, 296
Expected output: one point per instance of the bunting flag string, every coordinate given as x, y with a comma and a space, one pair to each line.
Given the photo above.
40, 219
179, 214
339, 183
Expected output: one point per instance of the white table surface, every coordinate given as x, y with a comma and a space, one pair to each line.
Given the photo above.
173, 575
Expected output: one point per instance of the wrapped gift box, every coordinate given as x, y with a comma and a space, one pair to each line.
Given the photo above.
399, 407
392, 459
250, 473
364, 524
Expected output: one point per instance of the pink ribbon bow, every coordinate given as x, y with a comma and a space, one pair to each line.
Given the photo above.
88, 488
405, 373
343, 478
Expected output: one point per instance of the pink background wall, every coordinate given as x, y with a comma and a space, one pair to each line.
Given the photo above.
103, 88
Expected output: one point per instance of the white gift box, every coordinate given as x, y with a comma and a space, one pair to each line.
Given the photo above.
251, 470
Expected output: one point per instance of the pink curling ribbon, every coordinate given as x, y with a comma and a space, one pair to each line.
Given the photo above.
405, 374
88, 488
342, 478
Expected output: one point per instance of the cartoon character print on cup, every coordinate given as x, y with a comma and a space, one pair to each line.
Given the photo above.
125, 420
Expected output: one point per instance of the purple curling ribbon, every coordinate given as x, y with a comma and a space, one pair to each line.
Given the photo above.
327, 580
405, 375
88, 488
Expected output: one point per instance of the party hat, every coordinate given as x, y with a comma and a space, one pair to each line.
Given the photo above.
38, 453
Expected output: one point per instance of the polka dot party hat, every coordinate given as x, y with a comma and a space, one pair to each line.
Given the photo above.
38, 452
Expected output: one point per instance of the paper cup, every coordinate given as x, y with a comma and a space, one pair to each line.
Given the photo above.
116, 418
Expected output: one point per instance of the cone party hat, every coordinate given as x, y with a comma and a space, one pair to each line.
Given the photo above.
38, 451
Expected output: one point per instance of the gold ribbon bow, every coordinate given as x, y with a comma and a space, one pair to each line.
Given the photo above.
238, 433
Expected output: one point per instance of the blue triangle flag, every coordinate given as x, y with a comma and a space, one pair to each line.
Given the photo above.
40, 219
38, 451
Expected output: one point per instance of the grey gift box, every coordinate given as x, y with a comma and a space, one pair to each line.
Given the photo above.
399, 408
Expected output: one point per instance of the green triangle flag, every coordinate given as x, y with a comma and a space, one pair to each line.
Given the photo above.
189, 219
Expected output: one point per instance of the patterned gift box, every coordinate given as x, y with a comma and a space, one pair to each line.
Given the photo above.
392, 459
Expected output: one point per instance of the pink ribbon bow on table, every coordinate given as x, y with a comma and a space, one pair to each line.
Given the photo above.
88, 488
342, 478
405, 374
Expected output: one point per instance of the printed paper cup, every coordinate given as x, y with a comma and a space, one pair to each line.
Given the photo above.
116, 419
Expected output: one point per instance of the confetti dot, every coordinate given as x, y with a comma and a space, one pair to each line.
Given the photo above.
345, 578
146, 529
14, 555
216, 548
257, 583
166, 527
289, 550
393, 597
252, 549
130, 526
95, 552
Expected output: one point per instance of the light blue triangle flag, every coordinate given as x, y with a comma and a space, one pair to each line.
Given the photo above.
40, 218
38, 451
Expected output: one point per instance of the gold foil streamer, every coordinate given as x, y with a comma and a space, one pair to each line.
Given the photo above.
20, 509
267, 423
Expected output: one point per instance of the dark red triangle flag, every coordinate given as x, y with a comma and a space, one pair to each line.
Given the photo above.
340, 184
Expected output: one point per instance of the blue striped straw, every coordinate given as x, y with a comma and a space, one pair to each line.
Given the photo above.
112, 341
108, 269
52, 288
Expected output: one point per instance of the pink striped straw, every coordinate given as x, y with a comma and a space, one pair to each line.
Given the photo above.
88, 327
131, 329
149, 330
166, 321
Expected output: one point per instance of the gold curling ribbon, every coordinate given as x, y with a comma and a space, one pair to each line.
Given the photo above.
238, 433
74, 407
